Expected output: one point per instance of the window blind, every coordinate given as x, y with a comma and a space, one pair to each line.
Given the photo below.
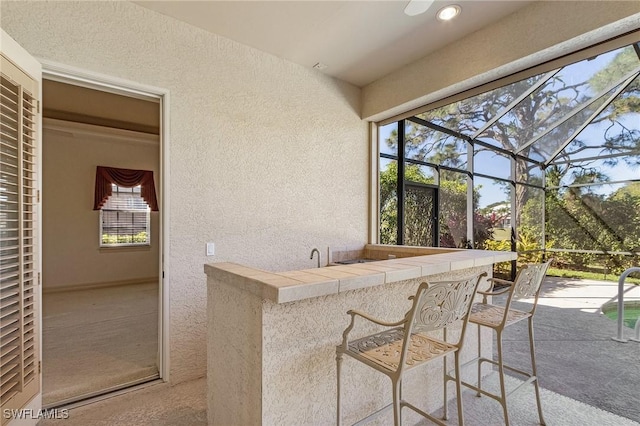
124, 218
19, 367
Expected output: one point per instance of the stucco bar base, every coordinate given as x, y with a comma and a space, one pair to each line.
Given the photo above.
273, 363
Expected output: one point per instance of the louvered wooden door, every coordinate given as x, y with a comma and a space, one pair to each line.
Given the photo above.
19, 232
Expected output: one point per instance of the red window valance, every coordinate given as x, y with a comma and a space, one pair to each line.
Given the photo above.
105, 176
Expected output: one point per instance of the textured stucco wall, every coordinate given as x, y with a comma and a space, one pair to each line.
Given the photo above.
234, 359
71, 251
534, 34
267, 159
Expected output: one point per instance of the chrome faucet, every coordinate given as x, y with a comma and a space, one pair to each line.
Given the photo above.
315, 250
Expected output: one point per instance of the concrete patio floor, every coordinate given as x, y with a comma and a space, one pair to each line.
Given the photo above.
576, 358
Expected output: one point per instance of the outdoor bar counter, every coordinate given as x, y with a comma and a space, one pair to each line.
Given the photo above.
272, 335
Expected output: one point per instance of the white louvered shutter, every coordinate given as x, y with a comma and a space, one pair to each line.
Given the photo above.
19, 235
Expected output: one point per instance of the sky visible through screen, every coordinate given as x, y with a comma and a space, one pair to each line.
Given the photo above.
493, 164
493, 193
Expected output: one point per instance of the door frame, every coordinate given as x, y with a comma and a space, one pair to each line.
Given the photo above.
71, 75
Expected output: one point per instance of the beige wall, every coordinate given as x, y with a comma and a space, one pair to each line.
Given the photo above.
540, 32
71, 252
267, 159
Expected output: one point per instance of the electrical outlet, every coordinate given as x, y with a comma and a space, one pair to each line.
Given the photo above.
211, 249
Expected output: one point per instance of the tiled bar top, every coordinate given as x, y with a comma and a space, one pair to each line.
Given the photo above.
283, 287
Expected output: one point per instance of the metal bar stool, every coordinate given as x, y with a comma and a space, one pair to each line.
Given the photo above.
498, 317
405, 345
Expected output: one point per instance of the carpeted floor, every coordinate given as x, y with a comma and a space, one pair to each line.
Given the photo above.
98, 338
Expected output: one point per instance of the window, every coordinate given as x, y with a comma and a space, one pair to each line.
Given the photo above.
125, 218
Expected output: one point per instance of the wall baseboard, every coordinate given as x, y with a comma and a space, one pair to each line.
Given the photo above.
88, 286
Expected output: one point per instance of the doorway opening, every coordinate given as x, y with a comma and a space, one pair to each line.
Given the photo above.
101, 279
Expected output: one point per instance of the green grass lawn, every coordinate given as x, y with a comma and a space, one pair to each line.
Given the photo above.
500, 234
565, 273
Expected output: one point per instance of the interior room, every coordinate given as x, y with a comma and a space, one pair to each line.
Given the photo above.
100, 296
262, 123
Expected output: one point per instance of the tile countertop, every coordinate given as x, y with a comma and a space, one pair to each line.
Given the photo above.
283, 287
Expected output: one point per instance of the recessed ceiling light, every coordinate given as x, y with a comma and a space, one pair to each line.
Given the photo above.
447, 13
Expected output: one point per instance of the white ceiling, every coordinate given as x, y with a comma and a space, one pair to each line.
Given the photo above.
360, 41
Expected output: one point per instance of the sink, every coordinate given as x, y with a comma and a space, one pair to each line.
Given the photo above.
353, 261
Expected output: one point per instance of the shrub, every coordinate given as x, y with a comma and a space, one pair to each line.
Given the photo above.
139, 238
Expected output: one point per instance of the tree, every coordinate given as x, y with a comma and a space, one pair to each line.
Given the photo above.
452, 215
389, 198
619, 138
520, 129
585, 220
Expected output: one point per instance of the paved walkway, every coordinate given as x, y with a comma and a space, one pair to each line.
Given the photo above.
575, 353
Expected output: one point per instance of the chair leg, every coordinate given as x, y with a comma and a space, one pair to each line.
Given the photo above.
534, 371
338, 371
445, 414
459, 389
503, 392
397, 386
478, 394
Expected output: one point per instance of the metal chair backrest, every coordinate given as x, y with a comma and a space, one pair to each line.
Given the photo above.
528, 283
438, 305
